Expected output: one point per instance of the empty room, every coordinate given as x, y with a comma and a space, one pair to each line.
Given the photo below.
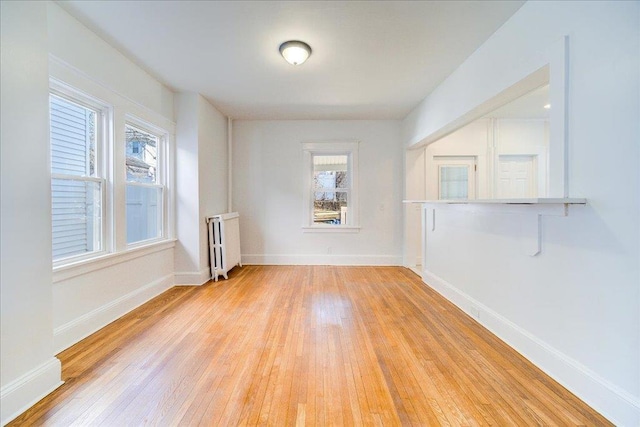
320, 213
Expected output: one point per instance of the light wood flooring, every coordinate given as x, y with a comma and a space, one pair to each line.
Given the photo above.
296, 345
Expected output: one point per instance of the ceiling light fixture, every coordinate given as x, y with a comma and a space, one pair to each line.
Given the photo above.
295, 52
547, 106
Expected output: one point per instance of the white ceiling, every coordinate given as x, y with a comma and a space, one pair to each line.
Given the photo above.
370, 60
529, 106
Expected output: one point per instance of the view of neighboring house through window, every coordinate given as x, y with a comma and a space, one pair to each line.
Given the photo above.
331, 189
145, 189
77, 182
331, 179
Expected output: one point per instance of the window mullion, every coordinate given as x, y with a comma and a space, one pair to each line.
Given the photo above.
77, 178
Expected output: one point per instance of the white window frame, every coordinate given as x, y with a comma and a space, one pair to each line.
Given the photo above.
471, 164
162, 175
102, 146
329, 148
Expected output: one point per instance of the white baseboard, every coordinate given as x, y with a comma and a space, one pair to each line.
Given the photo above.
416, 269
380, 260
619, 406
70, 333
192, 278
24, 392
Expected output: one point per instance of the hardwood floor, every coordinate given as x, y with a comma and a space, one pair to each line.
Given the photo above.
288, 345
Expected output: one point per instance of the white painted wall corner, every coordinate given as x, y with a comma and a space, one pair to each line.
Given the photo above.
192, 278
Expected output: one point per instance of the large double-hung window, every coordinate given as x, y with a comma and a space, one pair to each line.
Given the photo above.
77, 176
109, 162
145, 184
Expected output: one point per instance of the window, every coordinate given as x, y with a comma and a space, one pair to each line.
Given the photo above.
77, 176
456, 177
454, 182
331, 189
145, 186
331, 181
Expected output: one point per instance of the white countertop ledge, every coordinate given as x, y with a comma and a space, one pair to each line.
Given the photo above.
536, 201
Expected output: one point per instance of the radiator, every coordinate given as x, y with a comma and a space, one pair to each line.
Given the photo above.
224, 243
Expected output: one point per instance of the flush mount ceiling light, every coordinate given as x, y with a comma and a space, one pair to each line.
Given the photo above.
295, 52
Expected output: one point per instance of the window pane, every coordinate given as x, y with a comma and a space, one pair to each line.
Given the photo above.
141, 155
342, 179
330, 207
144, 213
73, 138
76, 217
454, 182
330, 172
324, 180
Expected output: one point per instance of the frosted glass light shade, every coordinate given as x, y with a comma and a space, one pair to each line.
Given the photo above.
295, 52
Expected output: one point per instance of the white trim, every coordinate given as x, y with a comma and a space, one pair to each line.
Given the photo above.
517, 202
69, 79
330, 229
104, 112
334, 146
346, 147
59, 67
617, 405
192, 278
145, 185
25, 391
162, 171
72, 332
224, 216
68, 271
415, 269
276, 259
229, 164
78, 178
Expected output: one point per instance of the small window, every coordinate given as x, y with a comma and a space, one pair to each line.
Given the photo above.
145, 192
331, 189
330, 176
456, 177
454, 182
77, 178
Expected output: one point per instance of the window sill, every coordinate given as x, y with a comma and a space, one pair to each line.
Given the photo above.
78, 268
331, 229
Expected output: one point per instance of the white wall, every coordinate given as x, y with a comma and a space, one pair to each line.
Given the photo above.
472, 140
213, 167
574, 310
187, 257
28, 369
80, 48
201, 180
268, 193
486, 140
414, 189
88, 296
